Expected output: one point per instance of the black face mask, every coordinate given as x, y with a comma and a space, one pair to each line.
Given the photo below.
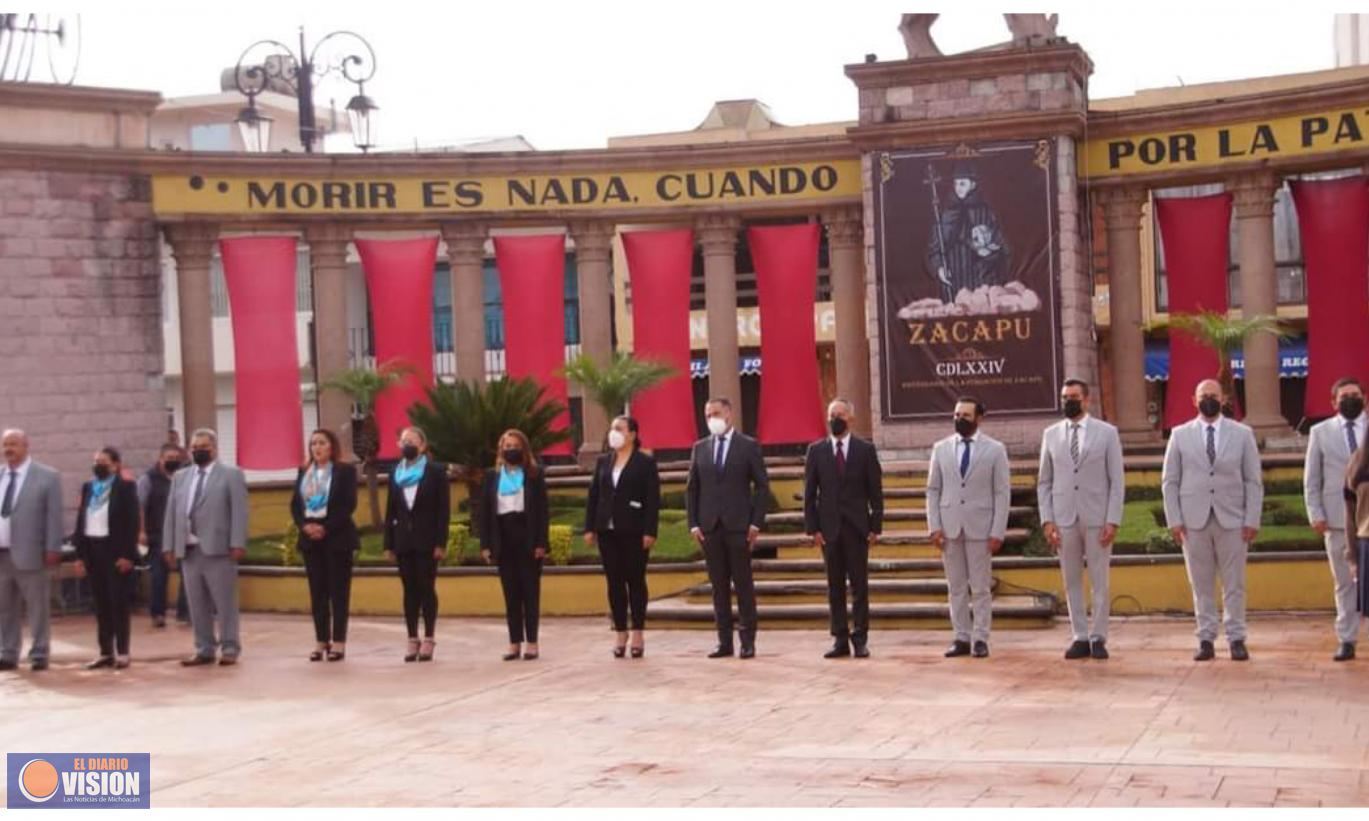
171, 465
965, 427
201, 457
1074, 408
513, 456
1210, 407
101, 472
409, 452
1351, 407
838, 426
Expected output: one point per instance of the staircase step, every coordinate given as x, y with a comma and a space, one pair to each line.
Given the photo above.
889, 537
891, 514
879, 551
814, 591
1008, 611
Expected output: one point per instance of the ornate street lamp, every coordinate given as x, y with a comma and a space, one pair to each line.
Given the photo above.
270, 64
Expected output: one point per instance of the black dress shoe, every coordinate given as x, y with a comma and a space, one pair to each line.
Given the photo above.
722, 651
197, 661
840, 650
1238, 651
39, 666
958, 648
1205, 652
748, 651
862, 651
1346, 651
6, 666
228, 661
101, 662
1099, 649
1077, 650
981, 649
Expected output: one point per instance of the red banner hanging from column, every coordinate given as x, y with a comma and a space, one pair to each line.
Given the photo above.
260, 275
660, 264
399, 279
532, 279
1333, 219
1195, 232
786, 258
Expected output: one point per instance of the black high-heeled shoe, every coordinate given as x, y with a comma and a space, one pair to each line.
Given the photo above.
318, 653
412, 655
430, 645
638, 652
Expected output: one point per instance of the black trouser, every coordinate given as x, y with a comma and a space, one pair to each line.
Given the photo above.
330, 590
520, 574
849, 558
110, 589
729, 565
418, 572
625, 568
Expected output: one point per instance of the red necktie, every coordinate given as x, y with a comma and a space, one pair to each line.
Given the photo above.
841, 460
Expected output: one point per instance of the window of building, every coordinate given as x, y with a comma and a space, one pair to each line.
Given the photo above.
304, 289
494, 305
215, 137
747, 296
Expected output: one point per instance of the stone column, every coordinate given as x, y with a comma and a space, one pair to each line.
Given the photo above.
1122, 210
593, 268
845, 253
718, 237
1254, 201
328, 269
466, 254
192, 244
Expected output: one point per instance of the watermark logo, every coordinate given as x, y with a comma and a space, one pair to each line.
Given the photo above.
72, 781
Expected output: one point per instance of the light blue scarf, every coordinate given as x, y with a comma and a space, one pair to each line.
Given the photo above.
406, 475
315, 487
510, 481
99, 493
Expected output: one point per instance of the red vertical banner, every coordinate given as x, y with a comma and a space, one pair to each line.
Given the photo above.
399, 280
786, 258
1196, 234
260, 275
532, 279
659, 264
1333, 219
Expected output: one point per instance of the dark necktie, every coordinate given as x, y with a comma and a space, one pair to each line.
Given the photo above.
7, 507
965, 458
195, 499
1211, 444
1349, 438
841, 460
1074, 443
718, 456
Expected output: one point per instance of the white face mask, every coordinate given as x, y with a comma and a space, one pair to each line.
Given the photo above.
616, 439
716, 425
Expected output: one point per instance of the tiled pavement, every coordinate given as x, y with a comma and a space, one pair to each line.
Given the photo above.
577, 727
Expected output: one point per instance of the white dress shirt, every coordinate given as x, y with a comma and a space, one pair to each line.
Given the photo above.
1083, 424
960, 448
1203, 425
97, 519
190, 537
1360, 423
23, 471
845, 445
511, 503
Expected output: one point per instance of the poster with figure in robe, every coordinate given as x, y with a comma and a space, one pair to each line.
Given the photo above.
968, 271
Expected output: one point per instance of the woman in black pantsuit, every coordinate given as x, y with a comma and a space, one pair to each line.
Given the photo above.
106, 541
417, 516
322, 505
621, 516
514, 533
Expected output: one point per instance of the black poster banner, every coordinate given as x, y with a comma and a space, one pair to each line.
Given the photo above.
968, 270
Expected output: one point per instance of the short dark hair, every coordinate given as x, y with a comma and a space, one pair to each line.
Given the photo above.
170, 448
978, 406
720, 400
1077, 383
1345, 382
632, 426
113, 454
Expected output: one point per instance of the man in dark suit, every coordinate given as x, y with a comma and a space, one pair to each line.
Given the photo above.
726, 497
843, 513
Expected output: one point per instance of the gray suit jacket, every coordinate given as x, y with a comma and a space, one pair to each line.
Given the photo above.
220, 517
976, 505
1232, 487
1323, 477
1092, 492
36, 523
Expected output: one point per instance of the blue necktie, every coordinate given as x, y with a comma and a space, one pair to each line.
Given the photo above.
718, 456
965, 459
1350, 436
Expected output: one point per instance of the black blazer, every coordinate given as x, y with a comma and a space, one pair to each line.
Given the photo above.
736, 500
634, 506
535, 507
340, 532
829, 498
123, 521
425, 526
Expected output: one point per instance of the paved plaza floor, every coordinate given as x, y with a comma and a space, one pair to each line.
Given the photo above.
578, 727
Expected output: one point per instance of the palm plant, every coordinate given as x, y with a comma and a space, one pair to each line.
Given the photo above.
364, 387
613, 386
1225, 336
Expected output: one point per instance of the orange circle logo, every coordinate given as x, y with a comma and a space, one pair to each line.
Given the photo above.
38, 780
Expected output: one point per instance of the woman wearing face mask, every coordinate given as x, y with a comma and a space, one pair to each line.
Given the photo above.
417, 515
621, 517
106, 541
514, 533
322, 505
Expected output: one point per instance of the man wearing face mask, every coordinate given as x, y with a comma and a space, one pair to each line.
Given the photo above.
726, 497
206, 528
30, 546
968, 493
1330, 446
1214, 493
154, 487
1080, 487
843, 513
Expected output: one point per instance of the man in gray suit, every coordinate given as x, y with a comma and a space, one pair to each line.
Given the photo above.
1214, 493
968, 493
1080, 488
206, 528
30, 544
1330, 444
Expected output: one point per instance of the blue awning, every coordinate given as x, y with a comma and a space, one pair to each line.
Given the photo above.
748, 366
1292, 360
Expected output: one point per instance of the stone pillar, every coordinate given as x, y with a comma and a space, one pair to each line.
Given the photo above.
718, 237
593, 255
846, 255
192, 244
1122, 210
328, 269
1254, 201
466, 254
